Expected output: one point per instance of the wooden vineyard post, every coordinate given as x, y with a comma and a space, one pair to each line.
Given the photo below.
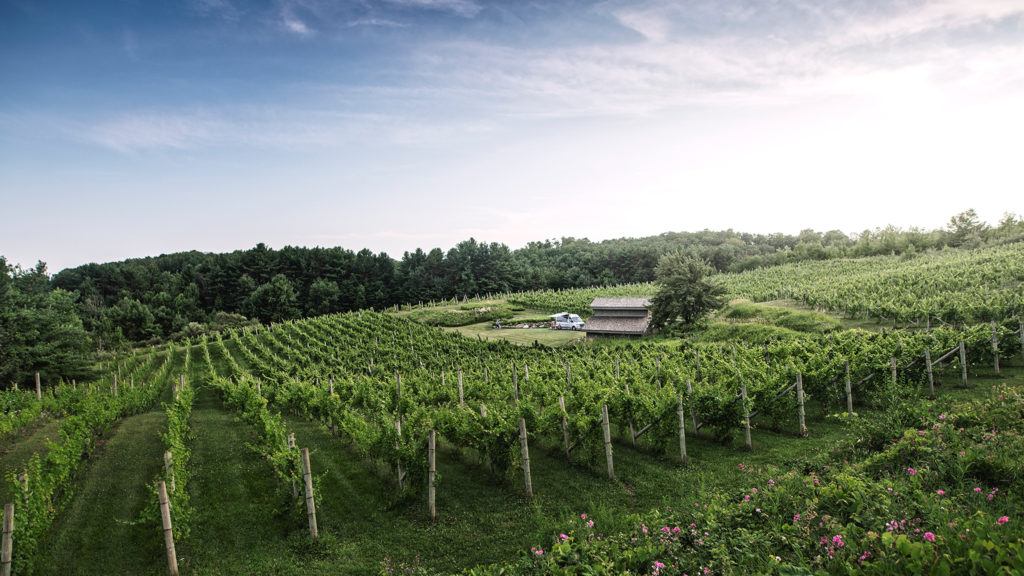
115, 383
7, 545
800, 404
462, 402
565, 425
515, 384
995, 350
398, 463
963, 364
849, 390
892, 364
259, 387
330, 384
487, 378
483, 416
291, 446
307, 476
526, 457
131, 382
632, 427
169, 468
526, 372
746, 417
682, 429
165, 518
698, 364
1020, 328
693, 412
39, 389
431, 474
931, 375
568, 376
606, 425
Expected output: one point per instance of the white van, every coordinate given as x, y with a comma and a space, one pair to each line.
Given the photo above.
566, 321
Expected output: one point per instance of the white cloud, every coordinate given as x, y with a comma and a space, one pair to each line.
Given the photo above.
464, 8
296, 26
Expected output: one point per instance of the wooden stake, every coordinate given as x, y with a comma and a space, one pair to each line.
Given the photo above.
693, 412
682, 429
462, 402
165, 518
515, 384
431, 474
800, 403
698, 364
169, 468
291, 446
632, 427
307, 476
963, 364
931, 375
849, 390
565, 425
487, 455
39, 389
995, 347
568, 376
606, 425
526, 457
398, 464
746, 417
115, 383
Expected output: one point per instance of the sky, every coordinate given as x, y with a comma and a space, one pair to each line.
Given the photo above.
135, 128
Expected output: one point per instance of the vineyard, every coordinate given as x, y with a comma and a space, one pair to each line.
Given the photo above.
369, 443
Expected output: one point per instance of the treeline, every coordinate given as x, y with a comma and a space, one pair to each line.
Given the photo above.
147, 300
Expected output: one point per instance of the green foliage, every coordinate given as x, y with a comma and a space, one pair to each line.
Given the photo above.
464, 316
684, 292
40, 330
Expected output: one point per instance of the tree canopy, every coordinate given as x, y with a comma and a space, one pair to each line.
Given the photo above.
684, 290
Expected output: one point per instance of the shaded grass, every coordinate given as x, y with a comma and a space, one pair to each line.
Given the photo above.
95, 533
18, 447
522, 336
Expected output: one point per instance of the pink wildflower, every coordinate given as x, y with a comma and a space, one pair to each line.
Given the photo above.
928, 536
1004, 520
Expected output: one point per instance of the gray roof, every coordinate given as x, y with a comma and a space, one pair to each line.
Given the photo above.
616, 325
620, 303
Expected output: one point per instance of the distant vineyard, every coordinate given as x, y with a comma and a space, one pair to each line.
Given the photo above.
951, 287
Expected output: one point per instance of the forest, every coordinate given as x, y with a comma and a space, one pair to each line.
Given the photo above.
150, 300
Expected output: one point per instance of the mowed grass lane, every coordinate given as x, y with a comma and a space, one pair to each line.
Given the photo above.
98, 532
239, 526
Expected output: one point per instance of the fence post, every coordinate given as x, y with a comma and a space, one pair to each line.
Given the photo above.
606, 425
849, 390
931, 375
746, 417
462, 403
632, 427
169, 468
432, 472
995, 347
682, 429
115, 382
693, 412
526, 457
963, 364
39, 389
490, 464
307, 476
800, 404
291, 446
565, 425
165, 518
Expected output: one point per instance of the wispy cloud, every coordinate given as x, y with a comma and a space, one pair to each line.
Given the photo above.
464, 8
296, 26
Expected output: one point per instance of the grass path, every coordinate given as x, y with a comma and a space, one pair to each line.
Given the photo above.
94, 534
19, 447
237, 526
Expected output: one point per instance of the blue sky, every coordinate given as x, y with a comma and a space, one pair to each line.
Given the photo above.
137, 128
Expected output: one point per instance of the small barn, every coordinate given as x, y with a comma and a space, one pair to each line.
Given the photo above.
619, 318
